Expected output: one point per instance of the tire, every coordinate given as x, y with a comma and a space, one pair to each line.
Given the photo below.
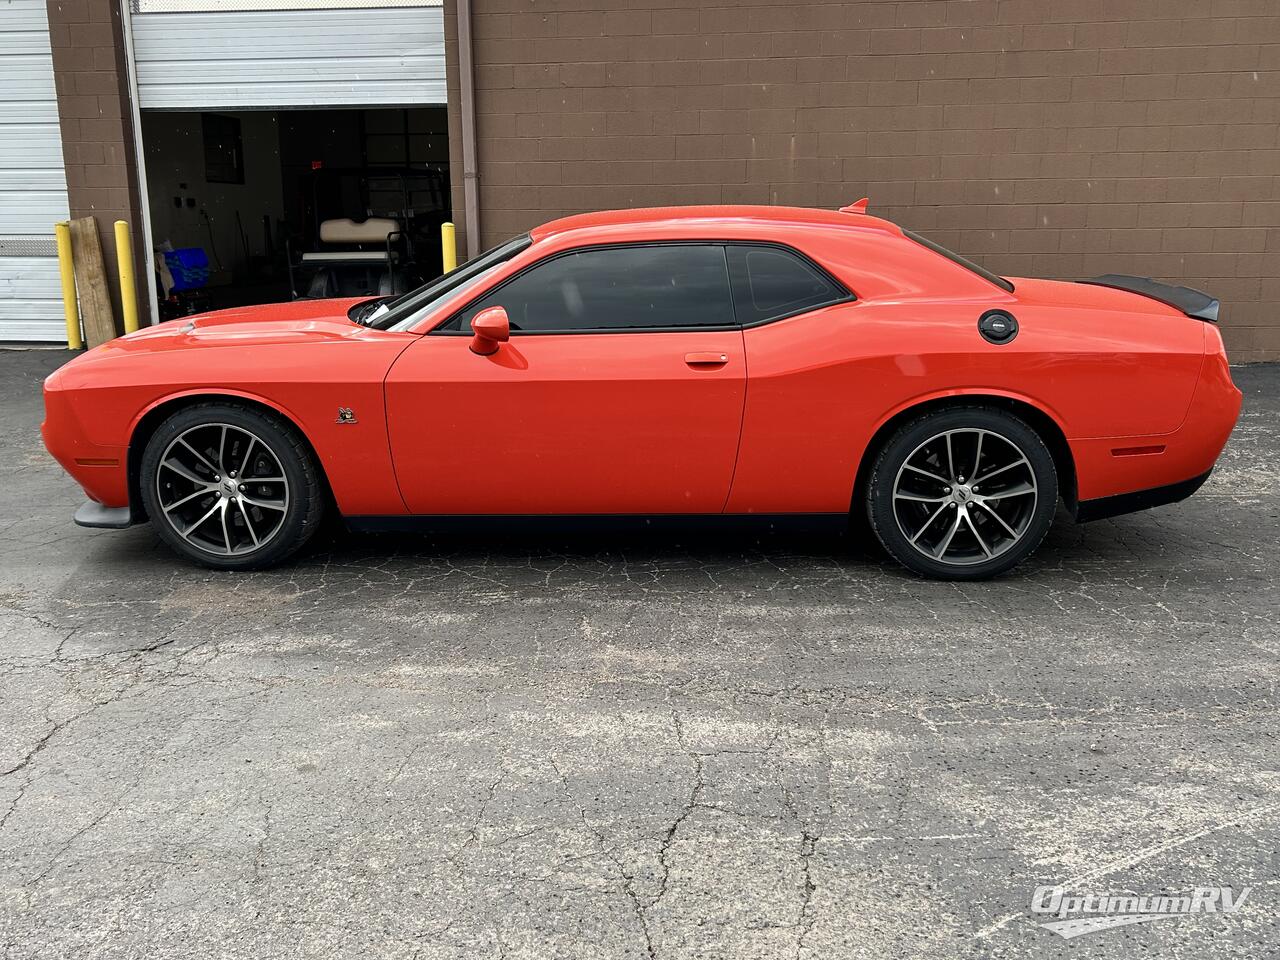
936, 518
231, 487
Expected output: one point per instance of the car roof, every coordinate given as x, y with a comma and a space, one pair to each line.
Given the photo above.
674, 216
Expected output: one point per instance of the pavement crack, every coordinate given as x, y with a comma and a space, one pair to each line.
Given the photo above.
70, 841
473, 832
808, 842
40, 744
638, 907
692, 803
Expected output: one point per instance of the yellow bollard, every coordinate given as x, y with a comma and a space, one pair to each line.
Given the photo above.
449, 246
70, 306
124, 265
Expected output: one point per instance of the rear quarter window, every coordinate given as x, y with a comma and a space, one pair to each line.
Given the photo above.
770, 283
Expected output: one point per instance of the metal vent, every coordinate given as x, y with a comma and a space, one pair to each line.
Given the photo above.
28, 247
231, 6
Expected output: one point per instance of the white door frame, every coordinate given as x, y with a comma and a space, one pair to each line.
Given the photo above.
140, 159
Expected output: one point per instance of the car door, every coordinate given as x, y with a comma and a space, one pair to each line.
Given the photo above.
621, 391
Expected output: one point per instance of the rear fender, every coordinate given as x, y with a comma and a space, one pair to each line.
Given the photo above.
977, 393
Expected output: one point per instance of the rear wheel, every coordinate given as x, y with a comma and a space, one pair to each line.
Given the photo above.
231, 487
962, 494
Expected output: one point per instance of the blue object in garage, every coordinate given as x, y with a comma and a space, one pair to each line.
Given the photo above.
189, 267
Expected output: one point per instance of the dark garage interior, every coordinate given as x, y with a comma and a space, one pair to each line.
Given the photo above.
239, 203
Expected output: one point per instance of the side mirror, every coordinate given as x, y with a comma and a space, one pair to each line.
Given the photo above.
491, 327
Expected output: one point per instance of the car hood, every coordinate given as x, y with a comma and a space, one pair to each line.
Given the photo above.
268, 323
311, 319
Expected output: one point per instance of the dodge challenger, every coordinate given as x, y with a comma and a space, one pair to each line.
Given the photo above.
731, 362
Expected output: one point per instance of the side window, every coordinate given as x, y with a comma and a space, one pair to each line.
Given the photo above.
616, 288
771, 282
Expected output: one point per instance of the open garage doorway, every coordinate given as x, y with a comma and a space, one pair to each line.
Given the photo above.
266, 206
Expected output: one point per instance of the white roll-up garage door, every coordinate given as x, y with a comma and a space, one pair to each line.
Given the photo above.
298, 53
33, 185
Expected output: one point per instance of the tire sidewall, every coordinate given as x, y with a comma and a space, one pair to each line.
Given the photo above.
305, 500
880, 510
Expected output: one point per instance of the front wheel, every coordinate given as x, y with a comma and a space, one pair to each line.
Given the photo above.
231, 487
962, 494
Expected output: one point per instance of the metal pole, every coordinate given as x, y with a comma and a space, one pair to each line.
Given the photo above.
66, 266
124, 265
470, 173
448, 247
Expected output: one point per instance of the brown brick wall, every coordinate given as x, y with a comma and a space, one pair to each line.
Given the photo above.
97, 133
1039, 137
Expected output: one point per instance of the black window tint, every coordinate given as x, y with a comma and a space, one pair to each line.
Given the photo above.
617, 288
770, 282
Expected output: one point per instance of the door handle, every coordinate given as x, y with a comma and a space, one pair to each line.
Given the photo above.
709, 359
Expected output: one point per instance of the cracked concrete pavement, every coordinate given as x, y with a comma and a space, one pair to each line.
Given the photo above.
660, 747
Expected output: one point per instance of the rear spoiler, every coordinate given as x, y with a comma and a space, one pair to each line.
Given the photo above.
1193, 303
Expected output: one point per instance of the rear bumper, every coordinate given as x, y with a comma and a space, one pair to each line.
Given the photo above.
1127, 469
1114, 506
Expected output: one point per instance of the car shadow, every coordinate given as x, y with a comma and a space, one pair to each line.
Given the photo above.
137, 555
587, 539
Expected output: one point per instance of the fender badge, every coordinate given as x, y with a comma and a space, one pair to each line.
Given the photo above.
346, 416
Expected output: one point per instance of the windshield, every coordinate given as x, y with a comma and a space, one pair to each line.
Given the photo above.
384, 314
969, 265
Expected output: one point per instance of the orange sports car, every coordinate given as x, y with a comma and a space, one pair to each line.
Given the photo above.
734, 362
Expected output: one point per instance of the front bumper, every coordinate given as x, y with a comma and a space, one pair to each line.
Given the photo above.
93, 514
100, 469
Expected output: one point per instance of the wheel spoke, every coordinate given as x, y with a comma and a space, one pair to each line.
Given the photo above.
977, 457
191, 529
976, 535
279, 505
951, 461
1007, 466
932, 517
190, 496
248, 521
183, 471
222, 450
244, 464
200, 456
946, 541
932, 476
916, 498
1021, 490
999, 519
226, 534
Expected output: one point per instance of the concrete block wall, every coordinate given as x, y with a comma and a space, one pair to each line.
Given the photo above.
1037, 137
97, 133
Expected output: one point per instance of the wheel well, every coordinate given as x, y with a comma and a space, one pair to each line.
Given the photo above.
152, 419
1037, 419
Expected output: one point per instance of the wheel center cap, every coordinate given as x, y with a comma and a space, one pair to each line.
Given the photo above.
962, 494
228, 488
